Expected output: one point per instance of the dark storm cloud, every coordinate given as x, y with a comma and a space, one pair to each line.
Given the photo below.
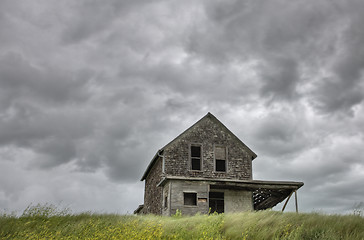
288, 38
29, 97
91, 17
20, 80
279, 82
342, 89
335, 95
282, 134
89, 91
52, 135
260, 29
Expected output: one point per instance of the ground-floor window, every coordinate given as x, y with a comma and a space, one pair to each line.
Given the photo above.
190, 199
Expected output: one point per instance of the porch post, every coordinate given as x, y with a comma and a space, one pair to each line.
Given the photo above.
295, 197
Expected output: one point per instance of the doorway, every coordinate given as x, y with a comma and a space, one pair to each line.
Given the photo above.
216, 202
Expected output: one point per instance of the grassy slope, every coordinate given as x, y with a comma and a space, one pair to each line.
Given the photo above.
255, 225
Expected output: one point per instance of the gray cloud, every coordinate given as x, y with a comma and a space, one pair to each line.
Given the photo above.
281, 134
343, 89
280, 81
20, 80
337, 95
90, 91
313, 37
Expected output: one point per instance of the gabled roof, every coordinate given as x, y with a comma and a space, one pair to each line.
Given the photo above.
211, 117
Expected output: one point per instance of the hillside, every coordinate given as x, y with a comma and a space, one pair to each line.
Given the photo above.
47, 223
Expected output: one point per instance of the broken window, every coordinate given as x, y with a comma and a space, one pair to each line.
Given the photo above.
220, 159
190, 199
195, 157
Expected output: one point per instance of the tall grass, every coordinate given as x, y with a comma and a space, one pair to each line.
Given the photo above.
277, 225
46, 222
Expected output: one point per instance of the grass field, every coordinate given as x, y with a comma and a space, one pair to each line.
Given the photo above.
46, 222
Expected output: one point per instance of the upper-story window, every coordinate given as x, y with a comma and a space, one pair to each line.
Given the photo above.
195, 157
220, 159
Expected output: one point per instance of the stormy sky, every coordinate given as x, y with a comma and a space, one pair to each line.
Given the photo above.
90, 90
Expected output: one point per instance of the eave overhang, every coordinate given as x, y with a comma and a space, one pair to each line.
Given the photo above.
154, 159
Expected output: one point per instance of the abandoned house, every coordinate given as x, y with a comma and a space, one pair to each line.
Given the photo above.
208, 169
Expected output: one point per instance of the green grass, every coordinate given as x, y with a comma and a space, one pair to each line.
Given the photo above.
46, 222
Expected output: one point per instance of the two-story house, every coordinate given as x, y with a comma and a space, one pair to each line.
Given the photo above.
208, 169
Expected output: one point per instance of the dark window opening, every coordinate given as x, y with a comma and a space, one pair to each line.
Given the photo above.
196, 164
220, 165
196, 157
196, 151
190, 199
220, 159
216, 202
165, 201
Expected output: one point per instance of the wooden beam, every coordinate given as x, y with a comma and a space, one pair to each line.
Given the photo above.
285, 204
250, 186
295, 198
242, 184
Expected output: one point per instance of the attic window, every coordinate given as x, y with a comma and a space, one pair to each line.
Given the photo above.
190, 199
195, 157
220, 159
